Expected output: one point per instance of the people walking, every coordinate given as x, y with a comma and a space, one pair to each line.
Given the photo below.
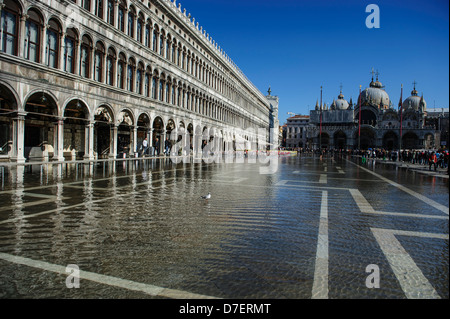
156, 145
432, 160
167, 146
144, 147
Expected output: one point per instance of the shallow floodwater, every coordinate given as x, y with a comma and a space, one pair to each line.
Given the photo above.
257, 237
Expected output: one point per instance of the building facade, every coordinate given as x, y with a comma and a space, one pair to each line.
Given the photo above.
372, 122
296, 131
93, 78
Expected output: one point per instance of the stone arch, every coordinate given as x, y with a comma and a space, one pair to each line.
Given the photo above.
390, 141
40, 129
76, 117
340, 140
9, 104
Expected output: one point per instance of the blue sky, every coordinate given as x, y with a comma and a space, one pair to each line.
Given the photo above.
297, 46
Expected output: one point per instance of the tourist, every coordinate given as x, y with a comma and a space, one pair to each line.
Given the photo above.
144, 147
432, 160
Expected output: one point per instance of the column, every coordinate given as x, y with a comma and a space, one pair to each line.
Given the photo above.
91, 61
18, 133
133, 142
186, 145
125, 18
89, 141
105, 10
135, 20
162, 142
22, 35
58, 140
61, 61
43, 43
116, 13
150, 140
2, 5
113, 141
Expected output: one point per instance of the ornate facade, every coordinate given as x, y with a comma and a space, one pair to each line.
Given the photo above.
376, 124
92, 78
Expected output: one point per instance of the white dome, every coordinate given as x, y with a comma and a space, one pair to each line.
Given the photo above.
414, 102
375, 95
341, 103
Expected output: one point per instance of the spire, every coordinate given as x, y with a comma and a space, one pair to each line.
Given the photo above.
317, 105
414, 92
422, 104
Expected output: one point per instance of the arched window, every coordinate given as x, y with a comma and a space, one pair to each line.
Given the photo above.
139, 77
147, 83
121, 71
98, 8
130, 75
33, 29
161, 44
110, 12
70, 44
131, 17
188, 59
139, 29
183, 60
167, 92
174, 49
148, 32
188, 104
85, 56
121, 17
110, 66
10, 27
98, 63
155, 39
53, 39
154, 89
168, 49
86, 4
173, 94
161, 90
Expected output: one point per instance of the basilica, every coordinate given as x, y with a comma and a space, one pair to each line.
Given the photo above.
372, 122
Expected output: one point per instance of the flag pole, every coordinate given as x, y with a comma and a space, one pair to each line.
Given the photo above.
359, 121
401, 120
320, 133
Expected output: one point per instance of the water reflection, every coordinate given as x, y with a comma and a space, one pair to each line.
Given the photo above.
255, 238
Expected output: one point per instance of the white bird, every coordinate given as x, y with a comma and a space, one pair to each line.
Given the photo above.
206, 196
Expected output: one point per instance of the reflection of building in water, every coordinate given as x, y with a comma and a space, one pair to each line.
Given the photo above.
92, 79
380, 122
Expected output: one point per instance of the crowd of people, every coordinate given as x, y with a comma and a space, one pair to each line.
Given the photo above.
428, 158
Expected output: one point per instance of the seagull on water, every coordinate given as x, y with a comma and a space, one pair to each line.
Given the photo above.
206, 196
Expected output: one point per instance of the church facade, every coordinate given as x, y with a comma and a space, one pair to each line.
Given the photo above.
372, 122
87, 79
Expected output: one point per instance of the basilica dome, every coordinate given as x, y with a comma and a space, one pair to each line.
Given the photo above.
375, 95
341, 103
414, 102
